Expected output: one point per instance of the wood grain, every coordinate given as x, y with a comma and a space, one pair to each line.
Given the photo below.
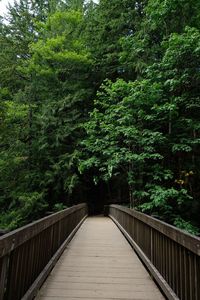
99, 264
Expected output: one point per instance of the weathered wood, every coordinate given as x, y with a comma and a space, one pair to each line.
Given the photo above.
171, 255
99, 264
3, 275
31, 251
32, 291
187, 240
15, 238
157, 276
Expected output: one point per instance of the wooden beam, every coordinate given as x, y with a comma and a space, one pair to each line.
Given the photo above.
14, 239
32, 291
187, 240
169, 293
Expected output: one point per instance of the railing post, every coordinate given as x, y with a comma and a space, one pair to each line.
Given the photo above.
4, 276
106, 210
151, 241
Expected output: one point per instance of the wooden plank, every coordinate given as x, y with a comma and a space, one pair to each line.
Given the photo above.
110, 274
85, 298
143, 280
106, 268
93, 294
139, 287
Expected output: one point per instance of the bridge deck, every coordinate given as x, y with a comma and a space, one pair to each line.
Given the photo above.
99, 264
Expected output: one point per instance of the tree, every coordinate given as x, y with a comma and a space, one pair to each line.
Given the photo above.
60, 64
138, 130
106, 24
107, 93
160, 19
52, 119
119, 143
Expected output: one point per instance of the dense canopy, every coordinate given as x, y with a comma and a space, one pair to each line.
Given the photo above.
100, 98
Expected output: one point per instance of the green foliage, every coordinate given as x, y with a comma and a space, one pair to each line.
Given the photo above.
43, 114
118, 141
164, 200
25, 206
59, 207
100, 93
186, 226
60, 56
106, 24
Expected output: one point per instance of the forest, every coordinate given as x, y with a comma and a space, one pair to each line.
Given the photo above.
100, 97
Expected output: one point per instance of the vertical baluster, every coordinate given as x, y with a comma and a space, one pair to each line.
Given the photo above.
4, 275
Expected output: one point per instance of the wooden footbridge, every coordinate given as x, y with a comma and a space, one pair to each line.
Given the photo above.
125, 255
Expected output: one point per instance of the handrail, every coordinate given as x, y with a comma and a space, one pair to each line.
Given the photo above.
171, 255
29, 253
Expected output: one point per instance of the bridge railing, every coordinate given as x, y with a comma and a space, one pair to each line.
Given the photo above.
28, 254
171, 255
